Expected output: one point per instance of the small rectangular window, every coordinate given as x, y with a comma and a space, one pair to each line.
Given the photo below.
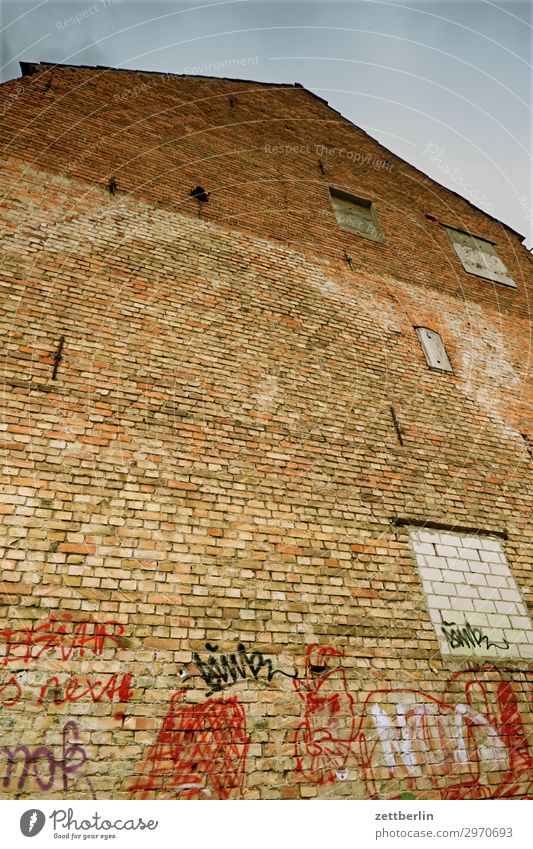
479, 257
356, 215
434, 350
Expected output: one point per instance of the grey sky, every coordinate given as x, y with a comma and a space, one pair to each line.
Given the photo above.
445, 85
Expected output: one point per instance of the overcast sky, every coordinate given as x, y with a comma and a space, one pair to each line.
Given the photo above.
447, 86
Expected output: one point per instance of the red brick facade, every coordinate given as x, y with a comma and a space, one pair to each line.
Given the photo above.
220, 441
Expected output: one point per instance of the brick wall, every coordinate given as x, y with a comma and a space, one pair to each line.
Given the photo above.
212, 533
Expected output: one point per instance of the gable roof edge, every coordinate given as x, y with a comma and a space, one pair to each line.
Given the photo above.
29, 68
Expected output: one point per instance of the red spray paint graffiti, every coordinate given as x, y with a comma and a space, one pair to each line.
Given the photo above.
513, 735
10, 692
200, 752
59, 639
323, 740
74, 689
26, 644
409, 741
488, 690
426, 743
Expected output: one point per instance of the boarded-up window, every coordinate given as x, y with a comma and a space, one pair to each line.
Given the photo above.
473, 600
434, 350
479, 257
356, 215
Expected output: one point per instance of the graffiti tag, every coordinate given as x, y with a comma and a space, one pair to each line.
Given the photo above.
467, 637
27, 644
224, 670
43, 764
76, 688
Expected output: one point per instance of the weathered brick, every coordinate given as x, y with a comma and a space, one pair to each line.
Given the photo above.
215, 469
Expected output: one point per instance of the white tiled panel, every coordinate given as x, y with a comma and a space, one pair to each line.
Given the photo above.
473, 600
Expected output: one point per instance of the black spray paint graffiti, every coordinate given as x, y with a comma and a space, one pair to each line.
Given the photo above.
468, 637
225, 670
